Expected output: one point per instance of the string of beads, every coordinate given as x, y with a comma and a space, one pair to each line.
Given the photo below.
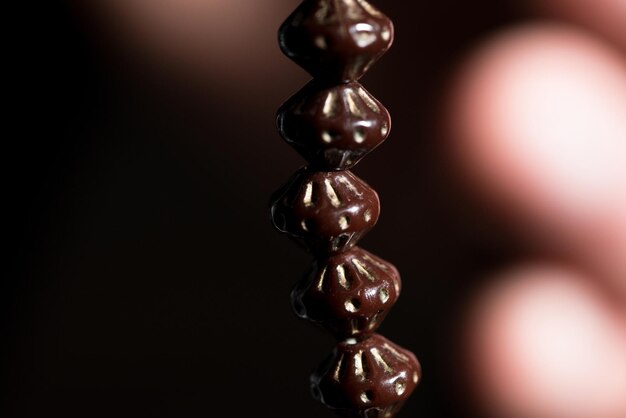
333, 122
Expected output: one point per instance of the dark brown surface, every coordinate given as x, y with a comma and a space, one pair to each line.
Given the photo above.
337, 40
350, 293
328, 212
333, 127
369, 378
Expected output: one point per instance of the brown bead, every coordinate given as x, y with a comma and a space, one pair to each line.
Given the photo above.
349, 293
327, 211
333, 127
336, 40
365, 379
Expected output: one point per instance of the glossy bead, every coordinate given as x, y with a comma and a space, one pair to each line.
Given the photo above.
365, 379
327, 211
349, 293
333, 127
336, 40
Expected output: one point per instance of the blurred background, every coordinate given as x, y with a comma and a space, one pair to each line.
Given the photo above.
144, 277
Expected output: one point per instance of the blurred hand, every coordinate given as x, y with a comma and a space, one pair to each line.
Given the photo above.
539, 121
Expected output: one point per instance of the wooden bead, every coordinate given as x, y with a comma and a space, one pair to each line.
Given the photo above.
365, 379
349, 294
333, 127
327, 211
336, 40
333, 122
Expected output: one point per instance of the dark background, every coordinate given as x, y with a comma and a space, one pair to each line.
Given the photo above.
143, 276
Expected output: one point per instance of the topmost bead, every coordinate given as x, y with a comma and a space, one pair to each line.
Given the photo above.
336, 40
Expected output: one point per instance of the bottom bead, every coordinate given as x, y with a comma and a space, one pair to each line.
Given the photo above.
371, 378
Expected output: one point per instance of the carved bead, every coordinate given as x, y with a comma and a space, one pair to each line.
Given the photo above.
333, 122
369, 378
333, 127
336, 40
327, 211
349, 293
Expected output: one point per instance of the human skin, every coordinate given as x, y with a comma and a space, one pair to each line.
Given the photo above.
542, 342
537, 121
538, 124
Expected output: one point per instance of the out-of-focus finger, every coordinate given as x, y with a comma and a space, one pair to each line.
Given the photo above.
543, 344
538, 121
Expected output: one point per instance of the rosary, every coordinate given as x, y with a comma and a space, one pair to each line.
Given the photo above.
333, 122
